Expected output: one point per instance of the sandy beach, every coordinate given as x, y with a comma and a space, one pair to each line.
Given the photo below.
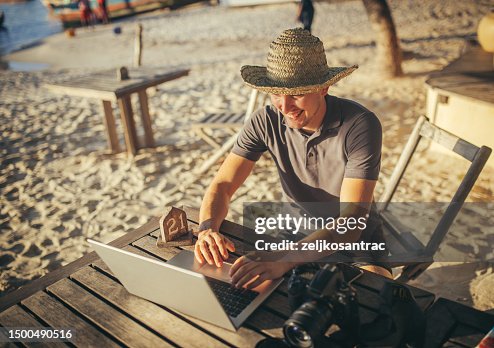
59, 184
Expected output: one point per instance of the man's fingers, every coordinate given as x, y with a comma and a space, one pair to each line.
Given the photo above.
205, 253
198, 254
229, 245
242, 271
213, 249
247, 276
237, 264
258, 281
220, 243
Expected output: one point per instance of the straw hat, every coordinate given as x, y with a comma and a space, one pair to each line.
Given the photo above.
296, 65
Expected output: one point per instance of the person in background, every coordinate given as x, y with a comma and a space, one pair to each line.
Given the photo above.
85, 12
103, 11
306, 13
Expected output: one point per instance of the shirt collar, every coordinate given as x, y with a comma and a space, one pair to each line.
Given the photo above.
332, 118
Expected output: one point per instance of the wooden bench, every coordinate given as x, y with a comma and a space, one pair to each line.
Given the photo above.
85, 296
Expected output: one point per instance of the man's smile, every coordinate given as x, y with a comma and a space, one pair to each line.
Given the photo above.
294, 116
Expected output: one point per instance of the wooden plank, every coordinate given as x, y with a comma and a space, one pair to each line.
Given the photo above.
402, 164
111, 131
146, 119
459, 197
208, 139
217, 116
41, 283
128, 124
58, 316
480, 92
153, 316
149, 81
449, 141
278, 302
149, 244
80, 92
218, 120
116, 324
266, 322
104, 85
15, 316
468, 76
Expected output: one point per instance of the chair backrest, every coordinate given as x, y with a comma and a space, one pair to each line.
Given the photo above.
253, 103
477, 156
256, 100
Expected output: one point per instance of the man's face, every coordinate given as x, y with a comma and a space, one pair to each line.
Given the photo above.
305, 111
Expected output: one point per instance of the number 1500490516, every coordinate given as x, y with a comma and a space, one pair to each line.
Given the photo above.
35, 334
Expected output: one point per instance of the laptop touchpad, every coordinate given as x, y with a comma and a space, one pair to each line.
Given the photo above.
186, 260
220, 273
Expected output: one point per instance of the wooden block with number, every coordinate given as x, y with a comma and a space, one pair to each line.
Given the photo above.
174, 229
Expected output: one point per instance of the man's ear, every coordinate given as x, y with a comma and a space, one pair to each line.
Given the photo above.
324, 91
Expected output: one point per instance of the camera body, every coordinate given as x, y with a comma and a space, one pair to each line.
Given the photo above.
319, 297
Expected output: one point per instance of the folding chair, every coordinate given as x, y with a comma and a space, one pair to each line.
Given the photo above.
230, 121
405, 249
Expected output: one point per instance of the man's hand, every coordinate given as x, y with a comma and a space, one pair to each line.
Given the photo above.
212, 247
253, 269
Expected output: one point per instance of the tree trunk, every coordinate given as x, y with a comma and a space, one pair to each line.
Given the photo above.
388, 48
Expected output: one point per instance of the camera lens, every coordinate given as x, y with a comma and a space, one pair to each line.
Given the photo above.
297, 336
308, 324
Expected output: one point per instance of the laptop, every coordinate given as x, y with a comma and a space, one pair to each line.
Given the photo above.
201, 291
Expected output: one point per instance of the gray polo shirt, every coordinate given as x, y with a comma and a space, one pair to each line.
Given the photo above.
312, 166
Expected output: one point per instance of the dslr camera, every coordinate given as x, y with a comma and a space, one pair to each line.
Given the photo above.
319, 297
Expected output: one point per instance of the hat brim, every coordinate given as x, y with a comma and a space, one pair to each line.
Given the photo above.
257, 77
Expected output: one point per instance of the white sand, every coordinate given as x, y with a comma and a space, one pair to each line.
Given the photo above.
60, 186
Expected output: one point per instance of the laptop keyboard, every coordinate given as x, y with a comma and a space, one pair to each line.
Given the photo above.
233, 300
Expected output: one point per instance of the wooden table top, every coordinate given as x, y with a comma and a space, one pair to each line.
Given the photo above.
85, 296
471, 75
105, 85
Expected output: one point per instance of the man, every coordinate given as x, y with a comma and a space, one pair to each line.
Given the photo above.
326, 149
305, 13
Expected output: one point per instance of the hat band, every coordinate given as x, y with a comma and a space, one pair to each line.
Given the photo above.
298, 77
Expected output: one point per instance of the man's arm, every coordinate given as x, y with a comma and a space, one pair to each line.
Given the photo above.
211, 246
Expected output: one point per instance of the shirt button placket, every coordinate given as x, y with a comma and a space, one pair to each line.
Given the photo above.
311, 157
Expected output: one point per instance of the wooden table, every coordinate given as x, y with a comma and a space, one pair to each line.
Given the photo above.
85, 296
108, 88
460, 98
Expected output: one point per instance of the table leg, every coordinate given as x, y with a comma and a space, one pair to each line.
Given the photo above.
128, 124
146, 119
111, 131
